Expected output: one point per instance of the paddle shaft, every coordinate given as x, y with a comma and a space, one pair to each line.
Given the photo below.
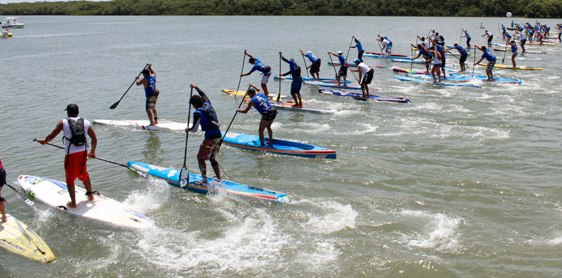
27, 200
113, 106
241, 72
187, 127
349, 48
98, 158
235, 113
474, 61
305, 66
334, 66
279, 93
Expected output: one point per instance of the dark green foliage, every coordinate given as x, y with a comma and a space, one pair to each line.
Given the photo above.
473, 8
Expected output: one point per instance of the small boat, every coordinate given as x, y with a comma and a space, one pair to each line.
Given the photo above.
6, 34
172, 176
360, 96
429, 82
279, 146
12, 22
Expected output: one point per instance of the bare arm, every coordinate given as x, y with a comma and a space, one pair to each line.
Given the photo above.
52, 135
94, 139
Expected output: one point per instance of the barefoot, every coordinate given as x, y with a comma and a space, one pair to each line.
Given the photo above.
70, 205
4, 218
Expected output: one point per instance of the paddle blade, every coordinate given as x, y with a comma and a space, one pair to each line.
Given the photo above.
184, 177
113, 106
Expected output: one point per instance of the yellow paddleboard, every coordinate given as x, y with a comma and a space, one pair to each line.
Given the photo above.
502, 66
17, 238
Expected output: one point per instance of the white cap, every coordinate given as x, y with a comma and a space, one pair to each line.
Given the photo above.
309, 52
339, 52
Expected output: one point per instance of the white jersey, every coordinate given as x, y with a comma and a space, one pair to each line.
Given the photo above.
68, 134
363, 68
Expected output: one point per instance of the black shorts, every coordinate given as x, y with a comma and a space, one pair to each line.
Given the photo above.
2, 177
368, 77
269, 116
463, 58
315, 67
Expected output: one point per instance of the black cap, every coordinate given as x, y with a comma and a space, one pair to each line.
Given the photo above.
72, 109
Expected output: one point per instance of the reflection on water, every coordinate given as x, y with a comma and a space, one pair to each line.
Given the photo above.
152, 152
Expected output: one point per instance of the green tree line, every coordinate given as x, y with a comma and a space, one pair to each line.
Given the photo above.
472, 8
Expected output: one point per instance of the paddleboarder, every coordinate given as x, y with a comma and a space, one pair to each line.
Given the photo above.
513, 53
259, 66
491, 62
151, 93
206, 116
2, 200
267, 111
423, 51
365, 77
342, 72
523, 40
359, 47
463, 57
489, 36
437, 62
315, 64
296, 84
467, 36
386, 44
74, 130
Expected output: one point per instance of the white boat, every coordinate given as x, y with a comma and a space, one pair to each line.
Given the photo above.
12, 22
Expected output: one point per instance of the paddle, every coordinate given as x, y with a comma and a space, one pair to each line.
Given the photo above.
380, 46
334, 66
241, 72
474, 61
103, 159
113, 106
305, 66
504, 51
279, 93
412, 53
349, 48
235, 113
26, 200
184, 173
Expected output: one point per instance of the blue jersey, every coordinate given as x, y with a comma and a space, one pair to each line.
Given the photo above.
151, 88
208, 120
358, 45
466, 34
441, 51
488, 56
514, 48
260, 67
311, 57
261, 103
461, 50
342, 59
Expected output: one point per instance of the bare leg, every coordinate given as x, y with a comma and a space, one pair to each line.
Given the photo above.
149, 114
72, 193
155, 114
260, 131
270, 132
3, 211
264, 87
88, 186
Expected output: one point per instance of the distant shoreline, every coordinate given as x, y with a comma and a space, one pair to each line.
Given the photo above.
532, 9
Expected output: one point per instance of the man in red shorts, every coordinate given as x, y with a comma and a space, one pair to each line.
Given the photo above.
74, 131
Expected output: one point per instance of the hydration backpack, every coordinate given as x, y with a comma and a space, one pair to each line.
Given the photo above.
77, 130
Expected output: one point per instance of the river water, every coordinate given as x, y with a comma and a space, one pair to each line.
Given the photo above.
462, 182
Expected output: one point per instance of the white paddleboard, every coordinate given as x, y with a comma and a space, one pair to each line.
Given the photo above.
144, 124
55, 194
17, 238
